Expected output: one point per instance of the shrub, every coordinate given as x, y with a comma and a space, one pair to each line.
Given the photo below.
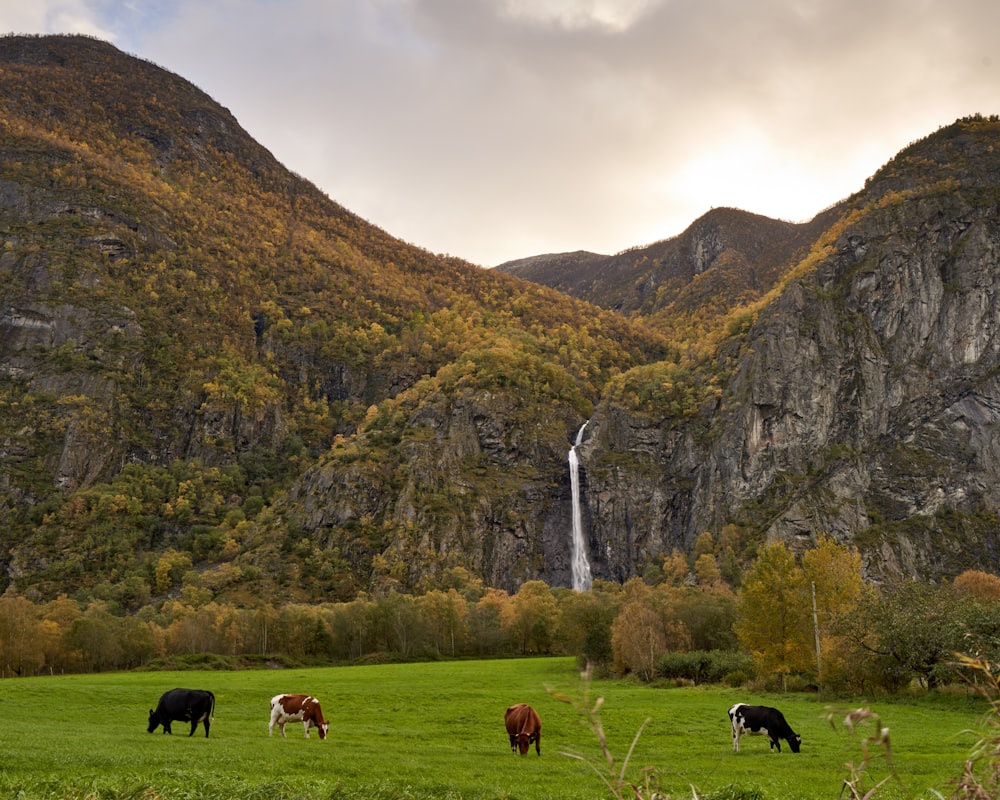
704, 666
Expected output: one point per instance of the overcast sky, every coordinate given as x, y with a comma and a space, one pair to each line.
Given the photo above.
498, 129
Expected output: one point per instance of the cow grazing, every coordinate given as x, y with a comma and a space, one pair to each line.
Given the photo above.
297, 708
523, 728
762, 721
183, 705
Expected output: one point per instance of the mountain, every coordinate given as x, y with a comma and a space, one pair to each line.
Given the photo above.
218, 382
187, 328
731, 253
859, 397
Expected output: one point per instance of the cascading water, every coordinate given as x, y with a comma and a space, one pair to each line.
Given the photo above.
582, 579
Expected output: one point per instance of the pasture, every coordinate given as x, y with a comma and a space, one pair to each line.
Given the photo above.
436, 731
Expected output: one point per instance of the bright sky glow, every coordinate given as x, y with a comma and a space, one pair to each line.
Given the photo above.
499, 129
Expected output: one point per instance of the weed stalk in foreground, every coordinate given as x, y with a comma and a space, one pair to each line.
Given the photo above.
874, 747
614, 779
980, 778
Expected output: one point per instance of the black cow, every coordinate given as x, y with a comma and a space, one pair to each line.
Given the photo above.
762, 721
184, 705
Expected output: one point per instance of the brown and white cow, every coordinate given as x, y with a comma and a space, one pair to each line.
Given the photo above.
297, 708
523, 728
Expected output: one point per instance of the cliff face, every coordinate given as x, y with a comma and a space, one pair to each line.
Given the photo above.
478, 484
860, 399
864, 402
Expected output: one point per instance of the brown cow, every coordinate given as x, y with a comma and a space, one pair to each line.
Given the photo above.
297, 708
523, 727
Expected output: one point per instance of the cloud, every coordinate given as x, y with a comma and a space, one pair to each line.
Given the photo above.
496, 129
45, 16
611, 15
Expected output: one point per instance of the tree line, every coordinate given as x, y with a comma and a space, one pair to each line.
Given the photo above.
794, 621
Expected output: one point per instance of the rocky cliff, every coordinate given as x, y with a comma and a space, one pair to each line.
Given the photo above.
862, 401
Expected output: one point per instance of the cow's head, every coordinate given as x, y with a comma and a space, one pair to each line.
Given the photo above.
795, 742
323, 728
523, 741
153, 721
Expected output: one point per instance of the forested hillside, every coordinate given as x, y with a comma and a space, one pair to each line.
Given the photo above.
187, 326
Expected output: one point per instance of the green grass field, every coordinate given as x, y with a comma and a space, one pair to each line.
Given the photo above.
436, 731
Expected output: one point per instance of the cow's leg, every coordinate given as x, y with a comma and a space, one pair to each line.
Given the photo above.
166, 727
207, 723
538, 743
306, 724
736, 741
281, 726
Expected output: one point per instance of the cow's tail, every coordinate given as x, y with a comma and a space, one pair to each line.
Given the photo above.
211, 711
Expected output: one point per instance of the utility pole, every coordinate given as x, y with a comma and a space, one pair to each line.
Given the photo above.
819, 661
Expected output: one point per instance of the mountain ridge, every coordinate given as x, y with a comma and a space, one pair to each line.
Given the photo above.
750, 251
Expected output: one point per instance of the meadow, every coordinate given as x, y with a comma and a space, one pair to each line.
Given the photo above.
435, 730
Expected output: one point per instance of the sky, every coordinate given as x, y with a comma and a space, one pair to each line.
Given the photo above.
494, 130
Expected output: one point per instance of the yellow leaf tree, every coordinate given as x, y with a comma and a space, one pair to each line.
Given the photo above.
834, 570
774, 614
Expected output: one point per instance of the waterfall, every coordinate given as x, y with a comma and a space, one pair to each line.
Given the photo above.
582, 579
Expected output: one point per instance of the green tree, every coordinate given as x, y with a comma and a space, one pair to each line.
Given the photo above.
773, 614
352, 629
533, 618
704, 545
170, 569
446, 615
96, 639
402, 627
487, 623
915, 628
708, 615
585, 621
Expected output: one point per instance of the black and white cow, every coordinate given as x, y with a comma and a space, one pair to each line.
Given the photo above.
762, 721
183, 705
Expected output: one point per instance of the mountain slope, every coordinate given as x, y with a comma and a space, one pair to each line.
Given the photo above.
186, 325
727, 253
856, 396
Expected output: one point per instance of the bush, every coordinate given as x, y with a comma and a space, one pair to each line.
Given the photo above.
704, 666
